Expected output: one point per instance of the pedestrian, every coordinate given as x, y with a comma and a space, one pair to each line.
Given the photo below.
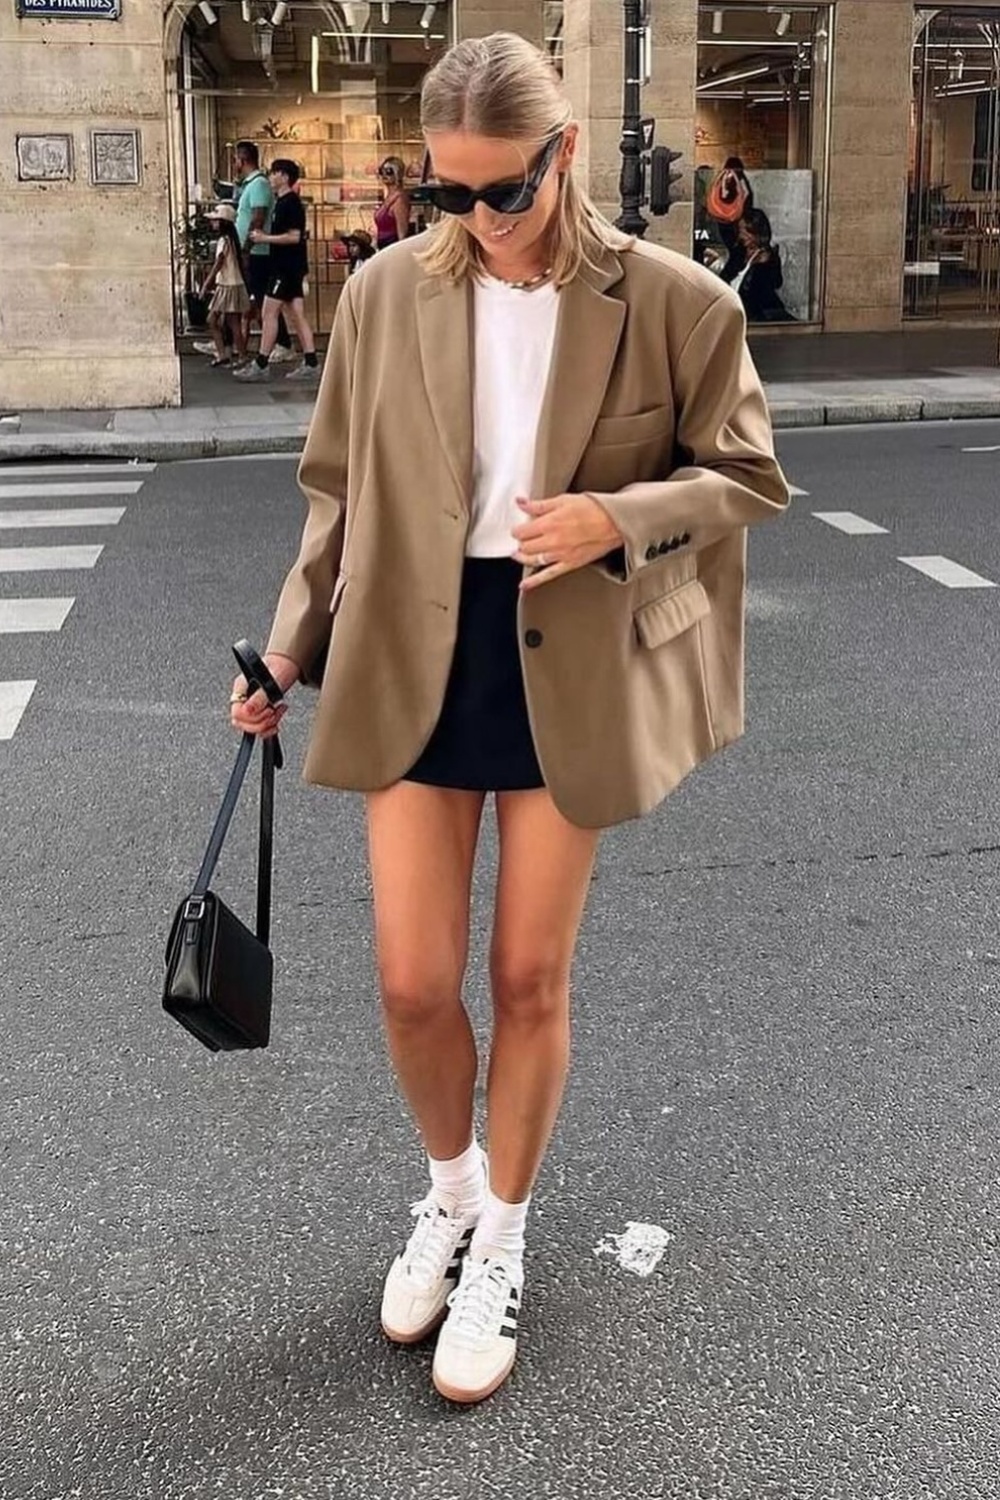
575, 653
286, 242
760, 278
254, 207
230, 298
392, 217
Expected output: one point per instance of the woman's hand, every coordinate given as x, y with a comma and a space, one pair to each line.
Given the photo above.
562, 534
255, 715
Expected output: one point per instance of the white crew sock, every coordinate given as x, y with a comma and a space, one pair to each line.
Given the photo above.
501, 1228
460, 1183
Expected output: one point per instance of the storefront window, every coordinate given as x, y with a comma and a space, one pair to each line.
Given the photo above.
336, 87
953, 216
760, 150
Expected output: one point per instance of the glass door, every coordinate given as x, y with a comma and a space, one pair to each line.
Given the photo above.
952, 267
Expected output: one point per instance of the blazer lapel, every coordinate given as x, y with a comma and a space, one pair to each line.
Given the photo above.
587, 338
444, 318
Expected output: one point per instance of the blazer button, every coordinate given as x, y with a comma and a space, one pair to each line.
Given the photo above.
685, 538
664, 548
652, 553
533, 638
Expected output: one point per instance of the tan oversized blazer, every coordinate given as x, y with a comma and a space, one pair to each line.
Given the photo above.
633, 667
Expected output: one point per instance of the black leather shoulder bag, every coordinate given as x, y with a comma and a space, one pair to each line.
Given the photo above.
219, 974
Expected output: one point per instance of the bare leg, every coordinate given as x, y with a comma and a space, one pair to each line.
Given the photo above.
544, 877
295, 312
422, 845
269, 326
215, 328
239, 337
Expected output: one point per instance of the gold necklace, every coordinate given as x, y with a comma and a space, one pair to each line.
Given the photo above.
526, 286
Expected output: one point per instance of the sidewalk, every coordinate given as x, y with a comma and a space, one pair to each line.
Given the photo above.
834, 380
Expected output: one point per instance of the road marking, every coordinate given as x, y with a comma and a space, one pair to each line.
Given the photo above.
93, 515
847, 521
65, 489
951, 574
14, 699
995, 449
639, 1250
43, 471
47, 559
25, 616
795, 492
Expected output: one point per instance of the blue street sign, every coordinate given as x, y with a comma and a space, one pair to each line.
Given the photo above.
64, 10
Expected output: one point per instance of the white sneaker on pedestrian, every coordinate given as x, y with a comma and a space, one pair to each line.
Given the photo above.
282, 354
422, 1276
252, 371
477, 1345
203, 346
307, 374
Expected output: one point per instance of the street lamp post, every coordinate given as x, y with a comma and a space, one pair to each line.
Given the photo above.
631, 220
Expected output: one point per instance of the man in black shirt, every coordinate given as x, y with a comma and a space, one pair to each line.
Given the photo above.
288, 264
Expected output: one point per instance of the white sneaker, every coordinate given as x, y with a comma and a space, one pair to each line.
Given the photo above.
203, 346
280, 355
252, 371
477, 1345
306, 374
422, 1276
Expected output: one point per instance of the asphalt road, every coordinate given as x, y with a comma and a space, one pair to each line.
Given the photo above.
786, 1056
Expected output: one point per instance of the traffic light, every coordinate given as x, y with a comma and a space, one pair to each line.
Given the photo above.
663, 176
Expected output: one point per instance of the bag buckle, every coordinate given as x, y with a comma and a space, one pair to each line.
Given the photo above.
194, 908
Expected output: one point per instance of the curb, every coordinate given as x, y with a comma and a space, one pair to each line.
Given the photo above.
866, 410
235, 441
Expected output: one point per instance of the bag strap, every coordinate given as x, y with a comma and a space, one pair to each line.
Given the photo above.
257, 676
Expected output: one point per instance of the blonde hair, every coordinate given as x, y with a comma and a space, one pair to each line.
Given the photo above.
503, 87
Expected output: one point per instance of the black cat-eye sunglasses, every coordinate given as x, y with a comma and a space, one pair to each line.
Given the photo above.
502, 197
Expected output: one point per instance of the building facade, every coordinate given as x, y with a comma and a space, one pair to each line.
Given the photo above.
861, 138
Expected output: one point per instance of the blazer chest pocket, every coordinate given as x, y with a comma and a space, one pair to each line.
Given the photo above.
663, 619
629, 431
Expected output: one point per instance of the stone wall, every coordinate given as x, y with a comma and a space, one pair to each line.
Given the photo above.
88, 320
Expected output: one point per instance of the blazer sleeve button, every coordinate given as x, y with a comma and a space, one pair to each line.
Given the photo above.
685, 539
533, 638
652, 552
663, 548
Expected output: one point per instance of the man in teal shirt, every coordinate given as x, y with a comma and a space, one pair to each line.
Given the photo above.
254, 207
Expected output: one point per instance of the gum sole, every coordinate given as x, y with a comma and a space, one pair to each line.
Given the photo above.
470, 1398
421, 1334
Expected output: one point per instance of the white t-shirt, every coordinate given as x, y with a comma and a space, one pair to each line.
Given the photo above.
514, 333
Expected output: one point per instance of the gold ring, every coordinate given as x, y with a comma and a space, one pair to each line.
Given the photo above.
238, 698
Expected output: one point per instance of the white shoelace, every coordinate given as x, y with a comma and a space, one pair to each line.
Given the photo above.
478, 1303
432, 1244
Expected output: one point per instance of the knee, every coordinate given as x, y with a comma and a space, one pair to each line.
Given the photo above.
529, 991
412, 997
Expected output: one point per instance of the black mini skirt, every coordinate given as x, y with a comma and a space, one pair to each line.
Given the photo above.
482, 741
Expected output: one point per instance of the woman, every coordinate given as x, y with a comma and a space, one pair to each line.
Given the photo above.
760, 276
230, 300
729, 199
529, 596
392, 217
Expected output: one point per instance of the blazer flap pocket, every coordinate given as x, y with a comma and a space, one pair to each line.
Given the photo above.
662, 619
637, 427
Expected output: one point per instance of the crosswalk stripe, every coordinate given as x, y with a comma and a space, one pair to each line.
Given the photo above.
796, 493
14, 699
68, 488
26, 616
91, 515
951, 574
44, 471
847, 521
47, 559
